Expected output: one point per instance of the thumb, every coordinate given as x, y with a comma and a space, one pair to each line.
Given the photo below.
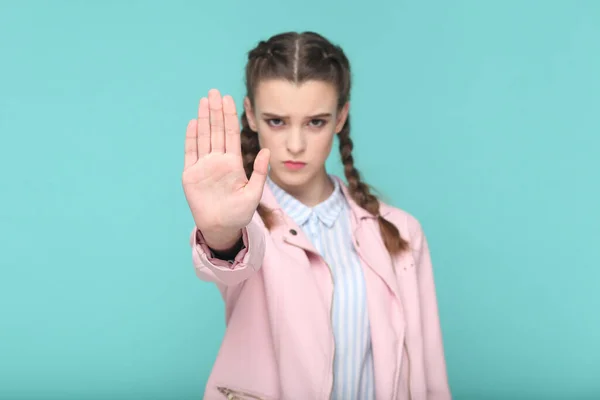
258, 179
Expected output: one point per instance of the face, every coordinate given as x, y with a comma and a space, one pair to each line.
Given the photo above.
297, 123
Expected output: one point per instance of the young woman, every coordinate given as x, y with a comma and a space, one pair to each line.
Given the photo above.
329, 293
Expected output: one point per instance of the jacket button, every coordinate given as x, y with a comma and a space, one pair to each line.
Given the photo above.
293, 232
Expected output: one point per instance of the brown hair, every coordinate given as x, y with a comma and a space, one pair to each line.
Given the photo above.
300, 57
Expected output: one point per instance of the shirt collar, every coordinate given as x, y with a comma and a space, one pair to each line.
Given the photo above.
327, 211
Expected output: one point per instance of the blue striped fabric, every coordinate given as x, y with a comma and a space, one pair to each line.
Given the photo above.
327, 225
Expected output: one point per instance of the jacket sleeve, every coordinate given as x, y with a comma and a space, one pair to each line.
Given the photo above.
435, 362
233, 272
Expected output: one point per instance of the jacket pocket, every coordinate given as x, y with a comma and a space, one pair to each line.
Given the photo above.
234, 394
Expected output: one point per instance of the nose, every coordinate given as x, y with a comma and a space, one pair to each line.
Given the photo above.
295, 141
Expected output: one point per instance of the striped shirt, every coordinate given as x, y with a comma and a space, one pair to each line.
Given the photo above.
327, 225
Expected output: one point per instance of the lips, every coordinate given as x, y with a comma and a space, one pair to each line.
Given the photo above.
294, 165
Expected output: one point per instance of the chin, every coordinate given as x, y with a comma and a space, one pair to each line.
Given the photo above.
292, 178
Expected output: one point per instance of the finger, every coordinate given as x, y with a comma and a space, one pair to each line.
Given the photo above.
258, 179
191, 146
232, 127
203, 128
217, 129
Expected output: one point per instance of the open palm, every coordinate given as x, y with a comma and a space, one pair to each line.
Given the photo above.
219, 194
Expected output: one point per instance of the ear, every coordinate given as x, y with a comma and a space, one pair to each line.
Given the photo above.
342, 117
250, 114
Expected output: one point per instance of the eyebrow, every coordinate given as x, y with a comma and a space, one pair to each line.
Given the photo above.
275, 116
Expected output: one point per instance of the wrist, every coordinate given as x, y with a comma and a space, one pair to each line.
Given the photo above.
222, 241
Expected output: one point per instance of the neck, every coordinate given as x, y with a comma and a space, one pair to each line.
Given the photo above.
313, 192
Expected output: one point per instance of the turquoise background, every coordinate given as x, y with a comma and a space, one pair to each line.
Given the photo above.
481, 118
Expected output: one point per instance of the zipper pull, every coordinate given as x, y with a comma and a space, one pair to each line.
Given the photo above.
228, 393
231, 394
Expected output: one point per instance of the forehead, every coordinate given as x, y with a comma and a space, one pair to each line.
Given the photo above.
282, 97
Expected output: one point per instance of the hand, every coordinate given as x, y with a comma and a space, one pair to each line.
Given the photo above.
220, 196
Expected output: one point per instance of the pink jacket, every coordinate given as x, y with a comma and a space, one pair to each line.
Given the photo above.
279, 341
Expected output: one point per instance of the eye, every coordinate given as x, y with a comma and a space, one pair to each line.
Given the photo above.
317, 123
275, 122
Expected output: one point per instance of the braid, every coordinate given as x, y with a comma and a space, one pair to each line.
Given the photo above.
362, 196
250, 149
250, 145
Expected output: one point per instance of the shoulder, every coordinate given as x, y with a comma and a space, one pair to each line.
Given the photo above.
408, 225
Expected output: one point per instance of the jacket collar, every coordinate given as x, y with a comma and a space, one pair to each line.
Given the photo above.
365, 231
